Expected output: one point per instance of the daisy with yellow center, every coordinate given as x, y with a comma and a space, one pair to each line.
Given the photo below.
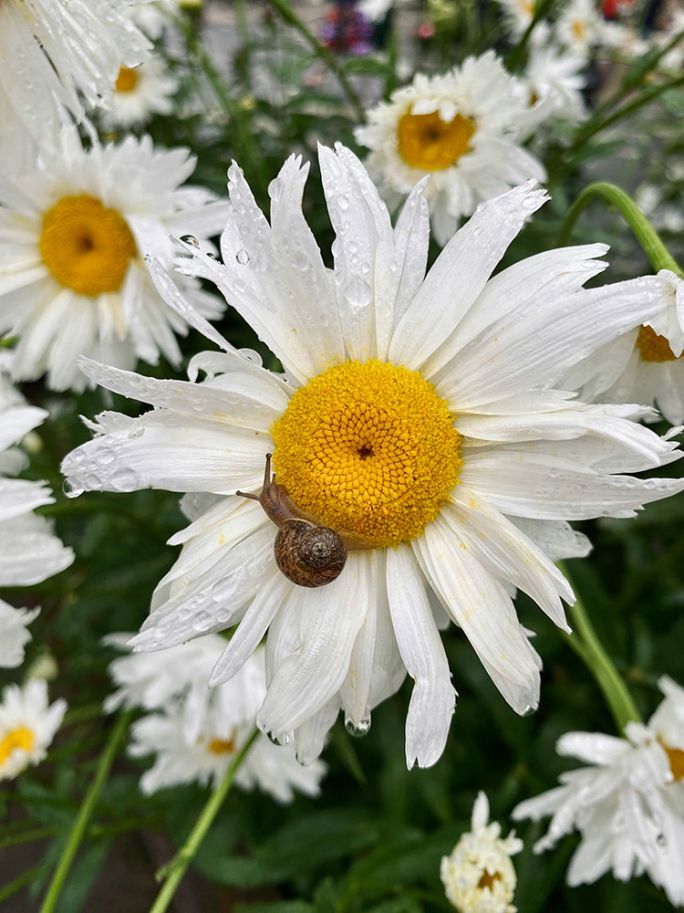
580, 27
77, 227
195, 732
478, 875
461, 130
63, 52
27, 726
139, 94
628, 805
644, 366
425, 465
518, 14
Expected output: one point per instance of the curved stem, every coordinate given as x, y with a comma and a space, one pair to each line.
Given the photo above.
649, 239
288, 15
172, 874
601, 666
85, 813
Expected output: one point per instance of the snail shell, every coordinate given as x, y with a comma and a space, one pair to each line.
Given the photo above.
307, 554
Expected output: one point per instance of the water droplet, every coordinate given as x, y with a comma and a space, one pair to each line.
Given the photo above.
125, 480
202, 621
242, 257
661, 840
105, 457
212, 256
343, 201
528, 711
71, 490
357, 730
190, 239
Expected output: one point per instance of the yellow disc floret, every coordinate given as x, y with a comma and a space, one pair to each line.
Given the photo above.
20, 739
86, 246
427, 142
127, 80
653, 347
369, 450
221, 746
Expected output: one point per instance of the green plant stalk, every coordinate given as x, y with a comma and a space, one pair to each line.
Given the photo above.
601, 666
648, 238
19, 882
85, 813
288, 15
517, 55
593, 127
173, 873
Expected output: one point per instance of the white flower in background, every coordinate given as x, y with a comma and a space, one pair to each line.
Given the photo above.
29, 550
28, 724
553, 82
628, 806
139, 93
518, 14
417, 418
200, 730
645, 365
580, 27
55, 49
75, 227
478, 876
460, 130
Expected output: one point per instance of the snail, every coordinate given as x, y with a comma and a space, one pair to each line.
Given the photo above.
306, 553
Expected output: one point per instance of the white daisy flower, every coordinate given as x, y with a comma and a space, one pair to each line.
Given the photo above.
140, 92
518, 15
580, 27
29, 550
27, 726
201, 730
60, 48
460, 130
418, 426
553, 82
645, 365
478, 876
628, 806
74, 230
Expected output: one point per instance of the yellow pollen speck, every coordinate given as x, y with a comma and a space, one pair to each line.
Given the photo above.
85, 246
20, 739
676, 758
653, 347
369, 450
222, 746
127, 80
427, 142
487, 880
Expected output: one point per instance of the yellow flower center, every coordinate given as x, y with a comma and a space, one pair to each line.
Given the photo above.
222, 746
86, 246
127, 80
368, 450
20, 739
579, 30
488, 879
653, 347
432, 144
526, 7
676, 758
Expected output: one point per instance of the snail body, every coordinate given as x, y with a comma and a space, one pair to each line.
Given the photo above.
306, 553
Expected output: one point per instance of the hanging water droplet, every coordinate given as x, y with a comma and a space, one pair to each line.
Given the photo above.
242, 257
190, 239
212, 256
357, 730
528, 711
661, 840
71, 490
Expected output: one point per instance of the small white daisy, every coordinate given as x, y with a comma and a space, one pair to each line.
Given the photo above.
645, 365
518, 14
57, 50
29, 550
426, 462
27, 726
478, 876
553, 81
14, 633
580, 27
200, 730
628, 806
461, 131
74, 229
140, 92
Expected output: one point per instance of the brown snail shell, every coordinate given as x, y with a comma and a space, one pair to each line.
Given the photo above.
307, 554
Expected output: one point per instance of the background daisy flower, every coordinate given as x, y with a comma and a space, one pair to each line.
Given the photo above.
61, 50
76, 226
417, 425
28, 724
140, 92
461, 130
628, 805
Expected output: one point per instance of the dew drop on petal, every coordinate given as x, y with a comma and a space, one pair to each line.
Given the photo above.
357, 730
190, 239
242, 257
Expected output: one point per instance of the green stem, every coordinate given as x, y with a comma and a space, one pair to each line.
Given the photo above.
85, 813
649, 239
13, 886
172, 874
648, 95
288, 15
601, 666
517, 54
